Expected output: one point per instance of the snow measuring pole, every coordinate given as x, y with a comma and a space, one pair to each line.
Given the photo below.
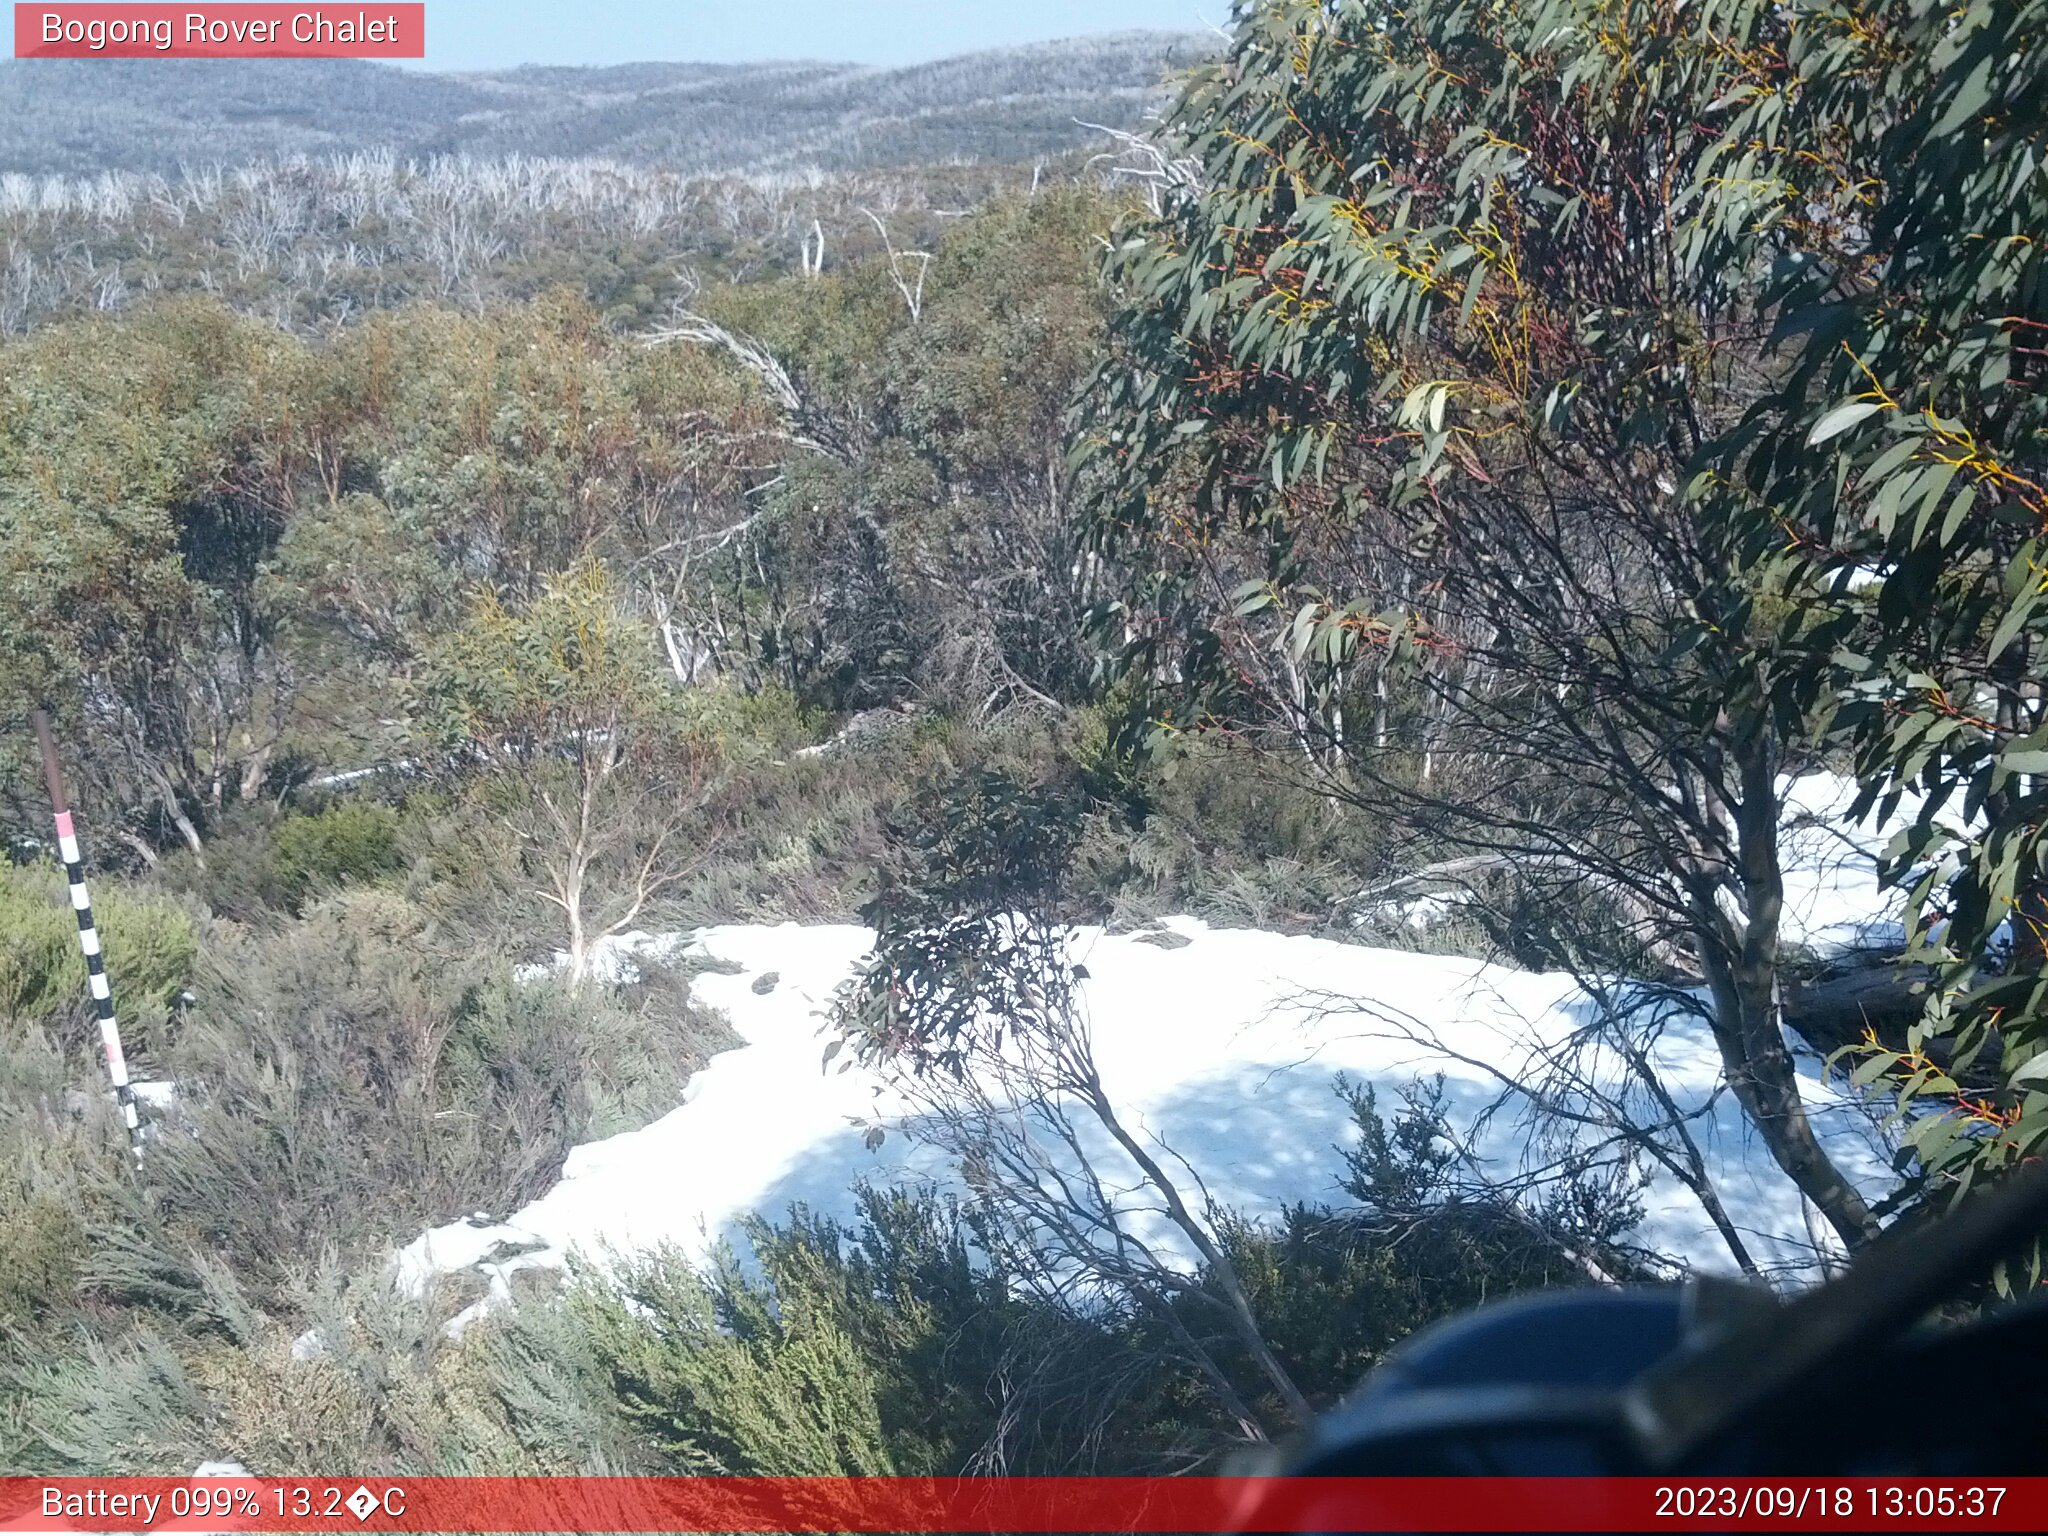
88, 935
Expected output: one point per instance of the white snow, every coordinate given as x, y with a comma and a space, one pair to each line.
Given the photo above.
159, 1096
1417, 913
1832, 902
1224, 1049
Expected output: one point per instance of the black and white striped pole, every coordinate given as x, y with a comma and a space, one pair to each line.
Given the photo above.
88, 934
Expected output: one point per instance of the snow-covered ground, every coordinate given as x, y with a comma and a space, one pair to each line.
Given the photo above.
1831, 898
1221, 1044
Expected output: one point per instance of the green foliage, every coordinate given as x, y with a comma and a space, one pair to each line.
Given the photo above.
966, 933
1573, 367
384, 1390
921, 552
1334, 1290
42, 1230
105, 1408
162, 451
1893, 160
150, 944
509, 447
592, 798
341, 1082
305, 528
531, 680
931, 1319
1380, 298
888, 1347
344, 1082
1211, 832
726, 1384
872, 1350
637, 1044
752, 728
348, 844
1390, 364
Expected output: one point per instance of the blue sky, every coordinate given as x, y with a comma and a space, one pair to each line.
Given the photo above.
497, 34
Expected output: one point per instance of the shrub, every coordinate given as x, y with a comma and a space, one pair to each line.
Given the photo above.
638, 1044
352, 843
745, 726
1335, 1289
42, 1233
1212, 831
346, 1080
733, 1380
384, 1390
123, 1407
150, 944
313, 1074
877, 1349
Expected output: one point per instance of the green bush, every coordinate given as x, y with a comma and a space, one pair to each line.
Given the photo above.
746, 726
42, 1234
885, 1347
150, 944
1209, 829
386, 1392
1334, 1290
107, 1407
728, 1378
314, 1070
352, 843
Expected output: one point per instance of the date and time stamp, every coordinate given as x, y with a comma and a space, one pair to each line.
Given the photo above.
1882, 1505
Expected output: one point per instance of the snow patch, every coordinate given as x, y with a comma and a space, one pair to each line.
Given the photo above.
1222, 1045
1224, 1050
1832, 900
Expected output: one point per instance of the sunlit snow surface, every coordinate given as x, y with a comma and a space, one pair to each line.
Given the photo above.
1831, 896
1223, 1048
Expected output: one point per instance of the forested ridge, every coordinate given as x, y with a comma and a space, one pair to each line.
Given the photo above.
1436, 490
1004, 105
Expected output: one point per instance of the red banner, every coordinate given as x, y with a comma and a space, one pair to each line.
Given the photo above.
360, 31
1028, 1505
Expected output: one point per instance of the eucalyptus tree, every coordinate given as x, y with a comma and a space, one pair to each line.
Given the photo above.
558, 718
1893, 496
1397, 449
148, 471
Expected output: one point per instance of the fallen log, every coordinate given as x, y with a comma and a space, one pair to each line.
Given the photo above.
1871, 993
1866, 993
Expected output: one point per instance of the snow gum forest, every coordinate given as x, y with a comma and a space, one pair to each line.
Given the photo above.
898, 785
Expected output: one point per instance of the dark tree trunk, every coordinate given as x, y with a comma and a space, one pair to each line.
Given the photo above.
1743, 977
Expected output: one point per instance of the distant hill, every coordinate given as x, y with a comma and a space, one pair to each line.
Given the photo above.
1010, 104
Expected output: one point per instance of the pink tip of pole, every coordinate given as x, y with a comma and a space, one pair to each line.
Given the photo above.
64, 824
